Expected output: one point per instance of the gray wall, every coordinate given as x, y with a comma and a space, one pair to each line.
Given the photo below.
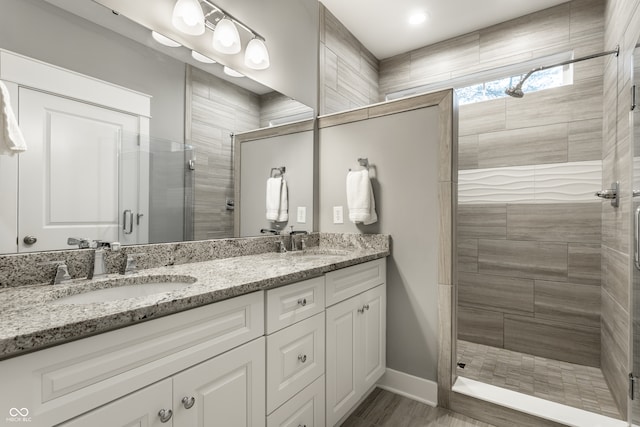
403, 151
295, 152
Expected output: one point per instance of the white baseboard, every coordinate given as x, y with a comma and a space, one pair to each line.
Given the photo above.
410, 386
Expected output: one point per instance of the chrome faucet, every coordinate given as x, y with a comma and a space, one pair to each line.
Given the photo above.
293, 234
99, 268
62, 274
132, 263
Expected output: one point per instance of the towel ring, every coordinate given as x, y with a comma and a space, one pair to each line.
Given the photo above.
281, 170
364, 162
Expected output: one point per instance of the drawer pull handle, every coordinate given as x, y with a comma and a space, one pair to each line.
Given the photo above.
302, 357
302, 301
165, 415
188, 402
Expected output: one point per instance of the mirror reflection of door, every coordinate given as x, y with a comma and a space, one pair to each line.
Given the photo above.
635, 403
69, 182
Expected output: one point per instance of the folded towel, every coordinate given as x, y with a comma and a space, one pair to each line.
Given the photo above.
360, 200
277, 200
11, 139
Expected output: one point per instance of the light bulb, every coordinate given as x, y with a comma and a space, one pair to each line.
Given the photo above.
226, 38
164, 40
256, 56
188, 17
417, 18
200, 57
231, 72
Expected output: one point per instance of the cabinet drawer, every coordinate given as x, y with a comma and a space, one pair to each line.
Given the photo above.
347, 282
295, 358
304, 409
290, 304
92, 371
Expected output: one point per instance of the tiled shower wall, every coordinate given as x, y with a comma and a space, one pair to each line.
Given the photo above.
348, 71
528, 224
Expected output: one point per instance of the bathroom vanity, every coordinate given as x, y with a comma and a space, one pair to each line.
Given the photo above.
267, 339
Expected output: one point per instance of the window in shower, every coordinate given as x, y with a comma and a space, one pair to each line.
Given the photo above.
494, 89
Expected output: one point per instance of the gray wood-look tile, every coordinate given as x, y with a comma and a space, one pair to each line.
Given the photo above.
468, 255
585, 262
506, 294
585, 140
559, 222
526, 146
385, 409
480, 326
555, 340
568, 303
532, 260
440, 58
615, 278
580, 386
482, 221
468, 152
615, 348
482, 117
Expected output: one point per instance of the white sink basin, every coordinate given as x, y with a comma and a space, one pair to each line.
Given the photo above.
120, 289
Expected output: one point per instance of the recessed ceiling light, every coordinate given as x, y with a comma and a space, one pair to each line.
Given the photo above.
417, 18
164, 40
231, 72
200, 57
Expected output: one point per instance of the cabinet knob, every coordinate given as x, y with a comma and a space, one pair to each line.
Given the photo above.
302, 301
364, 307
29, 240
165, 415
302, 357
188, 402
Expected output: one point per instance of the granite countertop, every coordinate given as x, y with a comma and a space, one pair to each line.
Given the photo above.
29, 321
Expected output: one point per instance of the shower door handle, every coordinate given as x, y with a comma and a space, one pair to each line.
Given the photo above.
637, 238
127, 214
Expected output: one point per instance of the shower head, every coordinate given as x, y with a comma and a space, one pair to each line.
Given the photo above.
515, 92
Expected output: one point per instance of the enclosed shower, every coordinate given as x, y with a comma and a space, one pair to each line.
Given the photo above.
529, 234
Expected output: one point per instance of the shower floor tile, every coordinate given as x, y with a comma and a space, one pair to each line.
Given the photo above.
579, 386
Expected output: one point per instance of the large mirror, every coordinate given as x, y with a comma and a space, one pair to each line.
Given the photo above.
167, 176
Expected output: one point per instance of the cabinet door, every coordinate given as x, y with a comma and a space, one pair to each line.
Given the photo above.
139, 409
373, 332
228, 390
304, 409
342, 346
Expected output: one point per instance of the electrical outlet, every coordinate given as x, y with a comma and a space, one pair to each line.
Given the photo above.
302, 214
338, 215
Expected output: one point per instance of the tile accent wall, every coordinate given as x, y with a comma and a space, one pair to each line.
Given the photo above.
348, 71
622, 19
215, 109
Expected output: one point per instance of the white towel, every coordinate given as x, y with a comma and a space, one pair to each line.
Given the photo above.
277, 200
360, 200
11, 139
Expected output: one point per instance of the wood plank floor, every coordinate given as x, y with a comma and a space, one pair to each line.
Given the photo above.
385, 409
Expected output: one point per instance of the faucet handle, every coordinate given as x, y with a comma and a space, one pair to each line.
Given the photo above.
132, 263
80, 241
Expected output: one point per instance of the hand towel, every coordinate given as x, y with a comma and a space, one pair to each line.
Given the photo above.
360, 199
277, 200
11, 138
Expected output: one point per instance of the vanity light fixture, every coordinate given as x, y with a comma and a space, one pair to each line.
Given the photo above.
188, 17
200, 57
164, 40
231, 72
194, 16
256, 55
226, 38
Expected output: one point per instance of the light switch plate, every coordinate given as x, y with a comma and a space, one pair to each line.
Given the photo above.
338, 215
302, 214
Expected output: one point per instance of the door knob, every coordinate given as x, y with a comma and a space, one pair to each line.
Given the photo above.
29, 240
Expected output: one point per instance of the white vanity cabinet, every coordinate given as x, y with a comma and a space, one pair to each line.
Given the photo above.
65, 381
355, 335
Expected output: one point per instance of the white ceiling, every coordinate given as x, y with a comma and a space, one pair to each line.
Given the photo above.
381, 25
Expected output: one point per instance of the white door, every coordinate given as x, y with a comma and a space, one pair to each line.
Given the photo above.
373, 333
69, 177
342, 350
139, 409
226, 391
